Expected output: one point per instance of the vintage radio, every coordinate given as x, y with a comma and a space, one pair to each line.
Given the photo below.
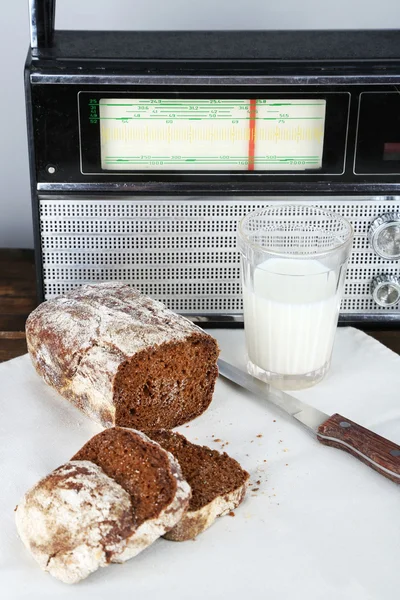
147, 147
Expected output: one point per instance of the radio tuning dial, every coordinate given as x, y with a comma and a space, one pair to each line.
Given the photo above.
385, 289
384, 235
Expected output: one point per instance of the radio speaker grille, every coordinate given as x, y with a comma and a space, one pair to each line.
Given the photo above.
184, 251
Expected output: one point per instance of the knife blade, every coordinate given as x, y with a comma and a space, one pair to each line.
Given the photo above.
337, 431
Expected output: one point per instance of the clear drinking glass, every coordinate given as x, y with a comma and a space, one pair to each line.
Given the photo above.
294, 260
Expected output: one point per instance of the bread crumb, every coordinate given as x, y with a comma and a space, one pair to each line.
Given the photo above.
285, 449
217, 440
258, 482
274, 420
255, 489
286, 465
260, 435
231, 514
265, 460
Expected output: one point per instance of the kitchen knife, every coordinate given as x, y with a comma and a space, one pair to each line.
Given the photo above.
337, 431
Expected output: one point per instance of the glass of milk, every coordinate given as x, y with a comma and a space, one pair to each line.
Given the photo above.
294, 260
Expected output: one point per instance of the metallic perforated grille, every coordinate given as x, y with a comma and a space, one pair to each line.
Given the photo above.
184, 251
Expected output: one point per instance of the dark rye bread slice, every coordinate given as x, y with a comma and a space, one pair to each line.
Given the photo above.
141, 467
115, 497
123, 358
217, 481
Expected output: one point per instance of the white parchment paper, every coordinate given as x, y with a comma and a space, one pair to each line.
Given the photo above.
319, 525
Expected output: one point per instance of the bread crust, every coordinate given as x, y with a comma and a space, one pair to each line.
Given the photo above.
195, 522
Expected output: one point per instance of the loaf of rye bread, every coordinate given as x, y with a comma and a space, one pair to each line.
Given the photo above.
122, 358
116, 496
217, 481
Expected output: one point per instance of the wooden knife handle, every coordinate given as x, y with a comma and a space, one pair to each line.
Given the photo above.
372, 449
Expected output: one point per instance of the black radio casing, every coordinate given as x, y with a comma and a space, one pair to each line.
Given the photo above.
356, 72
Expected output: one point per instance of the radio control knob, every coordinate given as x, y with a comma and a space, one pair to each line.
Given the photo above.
384, 235
385, 289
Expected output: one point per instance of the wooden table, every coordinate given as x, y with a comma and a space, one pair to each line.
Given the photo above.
18, 299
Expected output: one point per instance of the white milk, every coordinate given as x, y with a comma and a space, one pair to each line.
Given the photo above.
291, 317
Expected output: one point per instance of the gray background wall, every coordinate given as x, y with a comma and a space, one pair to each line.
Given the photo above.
15, 216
